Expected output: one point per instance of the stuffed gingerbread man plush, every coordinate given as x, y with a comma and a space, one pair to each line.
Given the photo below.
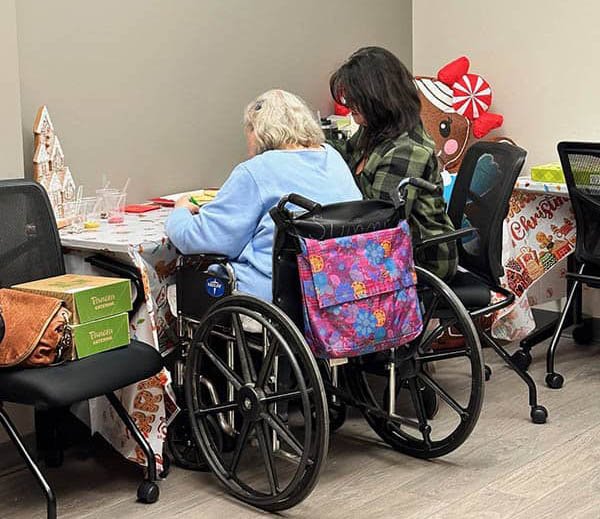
454, 106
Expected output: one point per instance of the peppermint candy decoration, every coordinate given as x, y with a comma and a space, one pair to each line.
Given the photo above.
471, 96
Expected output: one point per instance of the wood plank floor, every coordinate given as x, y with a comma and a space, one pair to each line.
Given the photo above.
508, 468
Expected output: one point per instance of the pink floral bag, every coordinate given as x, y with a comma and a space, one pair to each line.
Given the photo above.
359, 293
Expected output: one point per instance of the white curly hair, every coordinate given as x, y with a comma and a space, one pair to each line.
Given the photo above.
280, 120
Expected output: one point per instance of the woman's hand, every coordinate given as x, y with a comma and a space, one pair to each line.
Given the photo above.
184, 201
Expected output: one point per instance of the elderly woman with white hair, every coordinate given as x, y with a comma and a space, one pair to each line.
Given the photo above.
287, 155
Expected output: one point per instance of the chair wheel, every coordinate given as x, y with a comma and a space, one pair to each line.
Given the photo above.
554, 380
583, 333
522, 359
539, 414
284, 372
429, 436
148, 492
488, 372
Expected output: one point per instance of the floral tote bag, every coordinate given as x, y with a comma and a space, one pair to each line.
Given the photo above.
359, 293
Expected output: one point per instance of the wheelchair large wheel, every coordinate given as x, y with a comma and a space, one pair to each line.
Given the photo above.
454, 377
265, 384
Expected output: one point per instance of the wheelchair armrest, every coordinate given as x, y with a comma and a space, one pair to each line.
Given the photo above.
214, 258
216, 265
122, 270
445, 238
509, 299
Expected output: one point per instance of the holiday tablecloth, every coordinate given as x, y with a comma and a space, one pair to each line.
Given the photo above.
538, 235
139, 241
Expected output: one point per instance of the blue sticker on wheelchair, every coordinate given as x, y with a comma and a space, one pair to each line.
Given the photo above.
215, 287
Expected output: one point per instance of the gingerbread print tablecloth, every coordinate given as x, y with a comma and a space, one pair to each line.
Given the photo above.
538, 235
139, 241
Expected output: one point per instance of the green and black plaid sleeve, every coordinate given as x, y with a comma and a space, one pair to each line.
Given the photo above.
412, 155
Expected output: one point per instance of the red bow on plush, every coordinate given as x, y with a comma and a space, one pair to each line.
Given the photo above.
471, 96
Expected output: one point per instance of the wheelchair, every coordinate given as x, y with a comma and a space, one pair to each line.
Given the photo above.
260, 407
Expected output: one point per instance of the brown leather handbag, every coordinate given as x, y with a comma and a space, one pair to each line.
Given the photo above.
37, 331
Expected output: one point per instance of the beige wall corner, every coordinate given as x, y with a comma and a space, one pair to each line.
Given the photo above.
11, 140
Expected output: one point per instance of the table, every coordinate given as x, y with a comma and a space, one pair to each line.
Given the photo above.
140, 241
538, 236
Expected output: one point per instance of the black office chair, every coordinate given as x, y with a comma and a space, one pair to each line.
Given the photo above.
581, 166
29, 250
480, 199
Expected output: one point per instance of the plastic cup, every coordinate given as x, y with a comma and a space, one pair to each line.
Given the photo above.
101, 194
115, 206
90, 213
71, 213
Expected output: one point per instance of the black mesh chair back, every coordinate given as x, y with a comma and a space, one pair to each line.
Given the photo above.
29, 242
480, 198
581, 166
329, 221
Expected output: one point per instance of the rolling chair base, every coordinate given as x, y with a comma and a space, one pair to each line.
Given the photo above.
148, 491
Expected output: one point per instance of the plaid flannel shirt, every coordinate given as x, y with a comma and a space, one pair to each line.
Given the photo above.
412, 154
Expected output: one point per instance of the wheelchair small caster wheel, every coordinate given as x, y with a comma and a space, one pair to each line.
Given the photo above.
488, 372
583, 333
539, 414
181, 448
337, 415
522, 359
554, 380
148, 492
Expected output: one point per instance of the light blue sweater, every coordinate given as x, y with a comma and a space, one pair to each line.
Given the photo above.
237, 223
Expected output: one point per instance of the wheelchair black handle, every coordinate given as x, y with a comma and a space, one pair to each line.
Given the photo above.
1, 328
420, 183
300, 201
125, 271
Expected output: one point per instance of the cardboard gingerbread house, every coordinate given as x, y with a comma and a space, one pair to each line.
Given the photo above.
49, 168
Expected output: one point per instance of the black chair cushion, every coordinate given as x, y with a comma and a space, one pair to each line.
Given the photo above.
81, 379
472, 292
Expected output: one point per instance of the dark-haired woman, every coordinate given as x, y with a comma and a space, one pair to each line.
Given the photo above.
392, 144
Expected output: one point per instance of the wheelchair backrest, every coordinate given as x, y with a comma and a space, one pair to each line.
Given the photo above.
328, 221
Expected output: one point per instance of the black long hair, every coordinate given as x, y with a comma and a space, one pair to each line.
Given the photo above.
376, 83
